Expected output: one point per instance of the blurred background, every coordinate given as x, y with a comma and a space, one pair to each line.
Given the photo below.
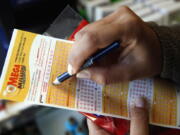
37, 16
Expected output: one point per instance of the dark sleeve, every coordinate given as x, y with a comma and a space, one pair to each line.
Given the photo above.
169, 38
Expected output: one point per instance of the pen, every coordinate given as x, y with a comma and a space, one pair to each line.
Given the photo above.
89, 61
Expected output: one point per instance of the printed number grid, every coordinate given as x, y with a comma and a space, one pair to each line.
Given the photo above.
49, 63
88, 95
140, 88
164, 107
64, 94
115, 99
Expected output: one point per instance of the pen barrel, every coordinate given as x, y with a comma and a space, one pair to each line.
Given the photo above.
105, 51
100, 54
63, 77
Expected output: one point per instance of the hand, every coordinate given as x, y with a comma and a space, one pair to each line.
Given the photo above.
139, 55
139, 121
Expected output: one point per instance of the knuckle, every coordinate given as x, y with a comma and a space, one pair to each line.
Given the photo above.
124, 9
87, 35
79, 35
90, 37
131, 19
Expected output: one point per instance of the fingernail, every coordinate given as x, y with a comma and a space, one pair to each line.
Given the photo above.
139, 102
70, 69
84, 74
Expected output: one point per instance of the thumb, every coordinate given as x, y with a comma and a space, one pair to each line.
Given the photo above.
139, 118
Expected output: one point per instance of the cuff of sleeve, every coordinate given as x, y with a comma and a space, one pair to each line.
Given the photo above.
168, 49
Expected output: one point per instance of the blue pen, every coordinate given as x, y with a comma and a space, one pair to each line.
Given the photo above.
90, 61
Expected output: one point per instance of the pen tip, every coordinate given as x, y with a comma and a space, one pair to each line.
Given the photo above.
56, 82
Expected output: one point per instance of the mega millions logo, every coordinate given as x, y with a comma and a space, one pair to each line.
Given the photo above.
16, 81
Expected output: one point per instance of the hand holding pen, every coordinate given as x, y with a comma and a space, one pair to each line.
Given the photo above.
89, 62
139, 55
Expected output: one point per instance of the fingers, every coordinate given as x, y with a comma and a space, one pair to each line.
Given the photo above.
119, 26
96, 74
89, 40
139, 121
103, 75
107, 74
94, 129
139, 118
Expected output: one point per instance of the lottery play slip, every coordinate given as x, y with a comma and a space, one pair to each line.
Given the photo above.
34, 61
